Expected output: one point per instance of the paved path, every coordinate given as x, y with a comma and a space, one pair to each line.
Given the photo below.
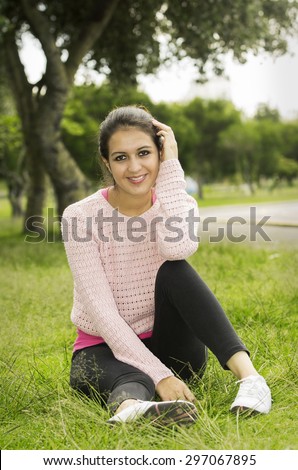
273, 224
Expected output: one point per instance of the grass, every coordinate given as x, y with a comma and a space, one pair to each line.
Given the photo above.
225, 194
214, 195
38, 410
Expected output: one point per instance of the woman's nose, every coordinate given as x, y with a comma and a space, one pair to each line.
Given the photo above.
134, 165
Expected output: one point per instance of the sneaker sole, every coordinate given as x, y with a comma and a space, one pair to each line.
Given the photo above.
245, 411
166, 414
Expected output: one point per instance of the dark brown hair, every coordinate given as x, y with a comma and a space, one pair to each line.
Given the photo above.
125, 117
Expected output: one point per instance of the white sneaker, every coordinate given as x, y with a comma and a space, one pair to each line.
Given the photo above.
254, 395
163, 412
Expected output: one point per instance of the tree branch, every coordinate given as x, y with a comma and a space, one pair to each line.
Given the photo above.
99, 18
20, 86
56, 78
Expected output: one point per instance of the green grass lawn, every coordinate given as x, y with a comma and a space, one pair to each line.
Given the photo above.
38, 410
225, 194
214, 195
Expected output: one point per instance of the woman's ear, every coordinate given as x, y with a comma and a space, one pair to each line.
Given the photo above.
160, 148
160, 154
106, 162
160, 142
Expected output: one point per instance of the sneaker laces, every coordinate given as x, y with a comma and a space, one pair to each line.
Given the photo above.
253, 394
247, 387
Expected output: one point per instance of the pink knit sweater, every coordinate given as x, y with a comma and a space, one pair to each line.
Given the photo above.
114, 260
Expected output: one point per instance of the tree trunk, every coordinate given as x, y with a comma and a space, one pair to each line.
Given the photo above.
36, 192
69, 182
46, 154
41, 107
26, 107
15, 191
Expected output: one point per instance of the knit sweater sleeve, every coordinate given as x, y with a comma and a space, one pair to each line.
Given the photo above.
177, 230
96, 296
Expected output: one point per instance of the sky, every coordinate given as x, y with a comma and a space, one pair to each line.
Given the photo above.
262, 79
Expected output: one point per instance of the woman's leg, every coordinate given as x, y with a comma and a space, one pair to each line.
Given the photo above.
189, 318
189, 315
97, 373
128, 391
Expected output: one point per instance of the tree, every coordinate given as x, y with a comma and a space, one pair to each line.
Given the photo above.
211, 118
290, 140
271, 146
288, 164
12, 169
287, 169
12, 161
243, 142
265, 113
255, 148
120, 39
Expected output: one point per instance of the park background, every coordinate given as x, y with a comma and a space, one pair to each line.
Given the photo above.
51, 106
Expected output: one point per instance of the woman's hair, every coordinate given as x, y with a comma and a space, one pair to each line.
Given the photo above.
125, 117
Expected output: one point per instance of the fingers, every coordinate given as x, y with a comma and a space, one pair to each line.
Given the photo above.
163, 128
189, 396
169, 144
172, 388
160, 125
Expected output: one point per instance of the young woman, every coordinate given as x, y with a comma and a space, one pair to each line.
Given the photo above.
144, 317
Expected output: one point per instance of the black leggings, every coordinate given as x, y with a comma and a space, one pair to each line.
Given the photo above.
188, 320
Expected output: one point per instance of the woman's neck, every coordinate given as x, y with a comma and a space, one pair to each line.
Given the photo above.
129, 205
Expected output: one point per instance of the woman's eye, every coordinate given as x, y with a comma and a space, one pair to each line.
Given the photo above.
119, 158
143, 153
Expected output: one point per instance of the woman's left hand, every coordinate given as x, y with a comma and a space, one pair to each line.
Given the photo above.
171, 388
169, 149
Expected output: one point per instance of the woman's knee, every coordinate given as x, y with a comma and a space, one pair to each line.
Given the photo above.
134, 381
171, 270
87, 377
136, 385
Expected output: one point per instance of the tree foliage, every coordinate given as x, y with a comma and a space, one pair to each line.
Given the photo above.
120, 39
215, 141
206, 30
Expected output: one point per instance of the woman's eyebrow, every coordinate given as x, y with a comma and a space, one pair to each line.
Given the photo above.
138, 149
145, 147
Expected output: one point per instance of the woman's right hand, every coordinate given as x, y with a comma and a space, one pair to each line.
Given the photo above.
172, 389
169, 145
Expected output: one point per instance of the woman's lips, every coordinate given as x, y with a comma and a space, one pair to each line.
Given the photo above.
137, 179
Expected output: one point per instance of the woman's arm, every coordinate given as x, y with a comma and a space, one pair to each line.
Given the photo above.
177, 232
97, 298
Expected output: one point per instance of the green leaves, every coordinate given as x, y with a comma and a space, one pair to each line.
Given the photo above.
130, 44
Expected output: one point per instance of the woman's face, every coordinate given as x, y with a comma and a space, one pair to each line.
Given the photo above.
133, 160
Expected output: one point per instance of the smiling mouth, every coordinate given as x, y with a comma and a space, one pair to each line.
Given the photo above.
137, 179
